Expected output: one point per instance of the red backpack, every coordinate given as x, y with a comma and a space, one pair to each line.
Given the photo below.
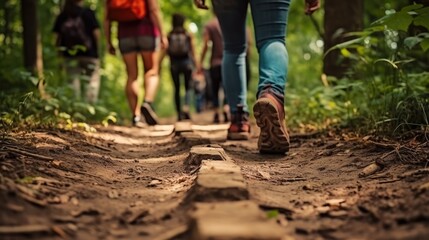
126, 10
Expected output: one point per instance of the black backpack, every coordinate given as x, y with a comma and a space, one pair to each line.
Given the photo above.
73, 35
178, 44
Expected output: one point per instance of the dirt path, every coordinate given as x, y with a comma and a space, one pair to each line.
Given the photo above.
129, 183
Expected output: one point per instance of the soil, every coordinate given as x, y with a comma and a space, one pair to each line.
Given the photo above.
131, 183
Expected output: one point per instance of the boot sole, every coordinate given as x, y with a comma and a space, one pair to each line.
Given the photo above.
273, 138
149, 115
238, 136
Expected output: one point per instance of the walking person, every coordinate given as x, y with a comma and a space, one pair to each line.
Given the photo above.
182, 61
77, 34
140, 34
270, 22
213, 36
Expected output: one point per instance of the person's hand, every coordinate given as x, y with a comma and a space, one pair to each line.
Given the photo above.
311, 6
164, 42
201, 4
111, 48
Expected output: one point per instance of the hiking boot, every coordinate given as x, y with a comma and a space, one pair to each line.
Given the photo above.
270, 117
240, 126
149, 114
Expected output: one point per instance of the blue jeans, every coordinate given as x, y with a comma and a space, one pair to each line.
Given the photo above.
270, 22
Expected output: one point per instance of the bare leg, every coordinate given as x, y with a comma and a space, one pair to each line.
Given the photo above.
132, 87
151, 74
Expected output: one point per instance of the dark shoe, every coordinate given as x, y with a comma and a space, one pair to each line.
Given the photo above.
149, 114
184, 116
240, 126
270, 117
225, 117
216, 118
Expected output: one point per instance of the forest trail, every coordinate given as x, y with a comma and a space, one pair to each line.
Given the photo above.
132, 183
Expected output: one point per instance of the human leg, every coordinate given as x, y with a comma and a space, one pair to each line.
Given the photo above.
74, 71
150, 56
216, 78
132, 87
232, 18
270, 21
91, 66
175, 75
187, 75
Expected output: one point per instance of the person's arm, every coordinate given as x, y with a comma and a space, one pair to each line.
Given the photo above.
107, 31
206, 39
155, 16
193, 54
311, 6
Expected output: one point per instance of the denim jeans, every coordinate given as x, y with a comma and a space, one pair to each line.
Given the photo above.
270, 22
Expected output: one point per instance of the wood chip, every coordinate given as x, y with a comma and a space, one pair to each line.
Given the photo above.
369, 170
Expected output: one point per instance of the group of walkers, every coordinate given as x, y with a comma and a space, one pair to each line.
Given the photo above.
140, 34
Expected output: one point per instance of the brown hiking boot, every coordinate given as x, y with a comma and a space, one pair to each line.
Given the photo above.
240, 126
270, 117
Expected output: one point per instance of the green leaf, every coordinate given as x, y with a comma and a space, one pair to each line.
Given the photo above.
410, 42
346, 44
422, 20
399, 21
411, 7
272, 213
425, 44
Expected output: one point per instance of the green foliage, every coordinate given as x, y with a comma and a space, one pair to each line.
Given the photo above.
390, 64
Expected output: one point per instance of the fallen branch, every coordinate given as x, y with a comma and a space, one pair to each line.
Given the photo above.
28, 154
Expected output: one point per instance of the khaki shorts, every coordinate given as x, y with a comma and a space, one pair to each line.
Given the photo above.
138, 44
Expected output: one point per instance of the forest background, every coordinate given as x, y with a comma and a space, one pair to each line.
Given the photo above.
359, 64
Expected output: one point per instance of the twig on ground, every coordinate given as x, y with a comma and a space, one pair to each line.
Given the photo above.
28, 154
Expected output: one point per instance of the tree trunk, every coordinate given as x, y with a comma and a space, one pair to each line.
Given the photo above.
33, 60
341, 17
